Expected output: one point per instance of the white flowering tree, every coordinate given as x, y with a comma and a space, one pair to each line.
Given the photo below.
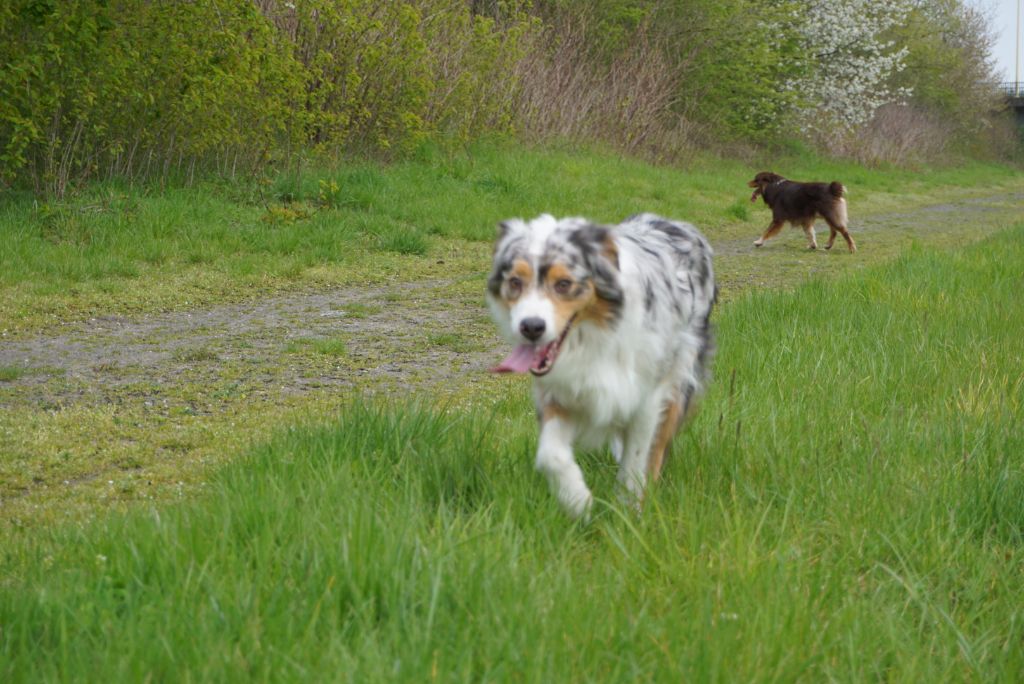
849, 61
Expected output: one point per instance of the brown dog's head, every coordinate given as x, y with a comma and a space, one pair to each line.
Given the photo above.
762, 181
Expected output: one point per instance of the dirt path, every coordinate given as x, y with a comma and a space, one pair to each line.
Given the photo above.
383, 331
114, 409
378, 324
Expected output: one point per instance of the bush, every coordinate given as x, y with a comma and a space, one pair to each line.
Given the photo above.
948, 72
624, 99
154, 90
139, 89
162, 90
897, 134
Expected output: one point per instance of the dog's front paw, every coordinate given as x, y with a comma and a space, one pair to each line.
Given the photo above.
579, 506
630, 500
758, 242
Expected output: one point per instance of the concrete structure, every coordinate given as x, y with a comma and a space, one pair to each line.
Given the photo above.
1014, 93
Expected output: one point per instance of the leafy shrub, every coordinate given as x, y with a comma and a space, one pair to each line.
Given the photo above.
166, 90
138, 89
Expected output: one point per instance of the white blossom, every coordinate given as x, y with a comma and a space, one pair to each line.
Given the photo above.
850, 63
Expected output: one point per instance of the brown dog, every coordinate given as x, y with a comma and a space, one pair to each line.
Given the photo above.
799, 204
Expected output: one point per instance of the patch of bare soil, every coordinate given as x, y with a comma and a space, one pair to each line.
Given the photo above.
388, 332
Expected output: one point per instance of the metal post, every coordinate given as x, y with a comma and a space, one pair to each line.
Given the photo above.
1016, 56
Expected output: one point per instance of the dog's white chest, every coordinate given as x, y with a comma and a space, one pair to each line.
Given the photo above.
603, 386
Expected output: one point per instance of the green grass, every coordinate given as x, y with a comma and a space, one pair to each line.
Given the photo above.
849, 505
195, 355
323, 347
9, 373
116, 249
360, 311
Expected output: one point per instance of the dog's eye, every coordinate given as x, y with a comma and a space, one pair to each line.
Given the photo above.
563, 286
515, 284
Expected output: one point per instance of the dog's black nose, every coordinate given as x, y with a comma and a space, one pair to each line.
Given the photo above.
532, 328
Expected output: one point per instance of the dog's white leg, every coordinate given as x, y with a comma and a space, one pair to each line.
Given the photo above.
636, 450
555, 460
812, 243
616, 447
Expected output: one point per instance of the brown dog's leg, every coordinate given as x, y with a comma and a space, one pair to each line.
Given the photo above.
836, 219
670, 418
774, 228
849, 240
841, 229
831, 236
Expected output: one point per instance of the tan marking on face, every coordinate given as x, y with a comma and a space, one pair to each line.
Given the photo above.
599, 311
556, 273
566, 302
522, 270
584, 303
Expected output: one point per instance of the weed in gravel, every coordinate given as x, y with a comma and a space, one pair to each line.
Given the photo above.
10, 373
332, 347
356, 310
195, 355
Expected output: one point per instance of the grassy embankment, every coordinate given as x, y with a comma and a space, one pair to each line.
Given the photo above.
116, 250
849, 506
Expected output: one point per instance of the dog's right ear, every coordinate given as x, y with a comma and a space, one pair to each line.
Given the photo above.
504, 249
601, 254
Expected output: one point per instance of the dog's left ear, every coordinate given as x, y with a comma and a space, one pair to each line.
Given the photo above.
602, 256
510, 227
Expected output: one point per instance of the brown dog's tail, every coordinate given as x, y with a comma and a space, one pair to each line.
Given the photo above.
836, 189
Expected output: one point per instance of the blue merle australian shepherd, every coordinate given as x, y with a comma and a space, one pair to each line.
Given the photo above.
613, 324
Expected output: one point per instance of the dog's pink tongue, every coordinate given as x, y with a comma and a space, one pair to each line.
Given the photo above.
518, 361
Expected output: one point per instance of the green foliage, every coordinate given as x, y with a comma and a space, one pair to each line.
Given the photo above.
947, 71
474, 69
113, 88
614, 22
122, 88
727, 63
366, 70
9, 373
117, 88
329, 193
323, 347
743, 52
